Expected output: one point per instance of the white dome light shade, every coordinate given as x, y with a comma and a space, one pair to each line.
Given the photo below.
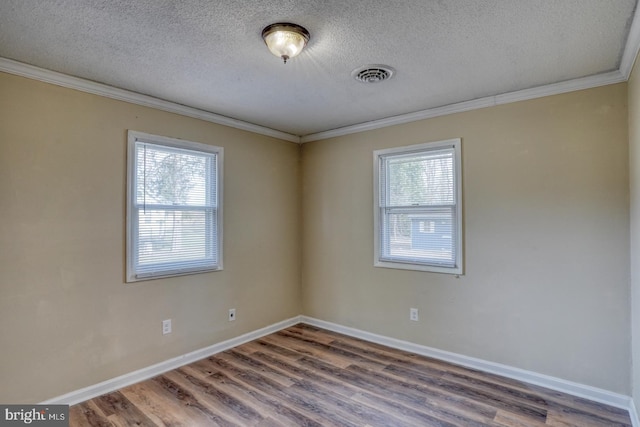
285, 40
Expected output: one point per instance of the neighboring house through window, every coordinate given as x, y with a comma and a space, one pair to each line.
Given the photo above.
418, 207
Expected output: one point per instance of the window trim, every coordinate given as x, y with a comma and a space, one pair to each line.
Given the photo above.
377, 220
132, 138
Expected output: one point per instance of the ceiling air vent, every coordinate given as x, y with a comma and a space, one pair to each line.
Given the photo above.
373, 73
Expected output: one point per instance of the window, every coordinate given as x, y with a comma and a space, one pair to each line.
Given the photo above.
418, 209
174, 212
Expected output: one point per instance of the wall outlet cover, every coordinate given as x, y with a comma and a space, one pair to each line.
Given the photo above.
166, 327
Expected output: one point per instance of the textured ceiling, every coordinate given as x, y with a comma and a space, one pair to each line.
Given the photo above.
209, 54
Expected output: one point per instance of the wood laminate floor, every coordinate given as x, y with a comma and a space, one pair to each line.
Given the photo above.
305, 376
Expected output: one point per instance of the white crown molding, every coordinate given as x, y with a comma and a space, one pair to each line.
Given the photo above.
24, 70
47, 76
125, 380
489, 101
632, 46
558, 384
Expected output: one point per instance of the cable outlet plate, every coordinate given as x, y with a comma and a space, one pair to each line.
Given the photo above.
166, 327
232, 314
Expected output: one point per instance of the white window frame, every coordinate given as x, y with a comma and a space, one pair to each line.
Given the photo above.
167, 269
380, 260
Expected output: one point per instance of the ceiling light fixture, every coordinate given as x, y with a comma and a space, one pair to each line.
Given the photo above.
285, 40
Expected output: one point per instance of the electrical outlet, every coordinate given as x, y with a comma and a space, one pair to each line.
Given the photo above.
166, 327
413, 314
232, 314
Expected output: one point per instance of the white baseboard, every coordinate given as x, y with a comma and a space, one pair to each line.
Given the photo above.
557, 384
633, 414
162, 367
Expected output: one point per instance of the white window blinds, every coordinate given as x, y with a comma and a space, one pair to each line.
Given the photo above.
174, 207
418, 207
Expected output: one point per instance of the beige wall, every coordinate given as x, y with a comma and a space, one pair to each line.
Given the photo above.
67, 319
546, 239
546, 228
634, 180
